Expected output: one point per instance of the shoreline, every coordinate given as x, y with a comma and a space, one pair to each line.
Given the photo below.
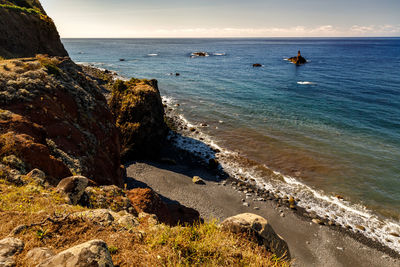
269, 197
300, 212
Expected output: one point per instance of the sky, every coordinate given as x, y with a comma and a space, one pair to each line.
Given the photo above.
224, 18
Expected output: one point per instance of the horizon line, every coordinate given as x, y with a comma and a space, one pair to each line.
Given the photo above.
233, 37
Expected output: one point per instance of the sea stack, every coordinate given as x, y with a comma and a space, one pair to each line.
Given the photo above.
299, 60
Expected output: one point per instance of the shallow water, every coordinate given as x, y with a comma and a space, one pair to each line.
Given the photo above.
332, 124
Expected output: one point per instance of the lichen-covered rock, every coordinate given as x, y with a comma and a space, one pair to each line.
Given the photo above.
73, 187
25, 34
37, 256
37, 176
8, 248
107, 197
98, 216
56, 119
91, 253
253, 224
139, 113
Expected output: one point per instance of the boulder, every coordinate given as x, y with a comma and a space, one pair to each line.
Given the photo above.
36, 256
38, 176
146, 201
200, 54
127, 221
73, 187
198, 180
257, 65
259, 227
8, 248
91, 253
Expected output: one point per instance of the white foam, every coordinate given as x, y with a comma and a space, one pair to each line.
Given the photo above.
152, 55
342, 212
219, 54
305, 83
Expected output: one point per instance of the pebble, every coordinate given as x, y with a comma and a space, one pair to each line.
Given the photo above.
317, 221
340, 248
308, 242
256, 208
282, 215
260, 199
246, 204
360, 227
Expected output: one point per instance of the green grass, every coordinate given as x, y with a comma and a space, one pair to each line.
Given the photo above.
21, 9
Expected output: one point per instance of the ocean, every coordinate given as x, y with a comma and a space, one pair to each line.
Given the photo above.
329, 127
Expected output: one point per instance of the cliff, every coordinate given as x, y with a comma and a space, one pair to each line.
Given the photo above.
56, 119
26, 30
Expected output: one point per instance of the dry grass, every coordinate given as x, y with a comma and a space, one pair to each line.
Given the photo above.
202, 244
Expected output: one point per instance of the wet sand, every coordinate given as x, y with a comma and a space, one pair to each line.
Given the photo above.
309, 244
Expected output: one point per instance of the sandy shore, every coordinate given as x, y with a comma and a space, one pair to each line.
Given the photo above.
309, 244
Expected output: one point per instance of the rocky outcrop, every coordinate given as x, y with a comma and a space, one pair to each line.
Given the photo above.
91, 253
148, 201
8, 248
56, 119
257, 226
299, 60
139, 114
26, 30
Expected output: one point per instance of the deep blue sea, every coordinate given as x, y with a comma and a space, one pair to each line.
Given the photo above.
331, 126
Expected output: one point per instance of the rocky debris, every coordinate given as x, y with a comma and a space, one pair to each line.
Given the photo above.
107, 197
299, 60
148, 201
257, 65
198, 180
150, 218
127, 220
73, 187
91, 253
37, 256
8, 248
139, 113
339, 197
57, 120
28, 34
258, 226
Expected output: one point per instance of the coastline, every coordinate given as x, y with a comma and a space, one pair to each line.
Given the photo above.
148, 174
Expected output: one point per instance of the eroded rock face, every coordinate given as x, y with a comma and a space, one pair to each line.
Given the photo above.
24, 34
91, 253
8, 248
38, 255
139, 113
54, 118
253, 224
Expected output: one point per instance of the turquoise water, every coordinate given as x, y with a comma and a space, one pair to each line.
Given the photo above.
332, 124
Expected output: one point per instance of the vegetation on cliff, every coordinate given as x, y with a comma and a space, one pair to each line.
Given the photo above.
137, 108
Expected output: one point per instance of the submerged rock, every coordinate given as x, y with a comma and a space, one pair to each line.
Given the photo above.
257, 65
200, 54
252, 223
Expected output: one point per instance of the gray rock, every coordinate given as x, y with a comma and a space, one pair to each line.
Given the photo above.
91, 253
38, 255
38, 176
73, 187
248, 222
246, 204
8, 248
128, 221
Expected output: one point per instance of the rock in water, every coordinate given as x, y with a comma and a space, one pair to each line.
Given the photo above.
299, 60
257, 65
248, 222
91, 253
73, 187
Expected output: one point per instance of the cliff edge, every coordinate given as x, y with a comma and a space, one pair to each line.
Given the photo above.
26, 30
